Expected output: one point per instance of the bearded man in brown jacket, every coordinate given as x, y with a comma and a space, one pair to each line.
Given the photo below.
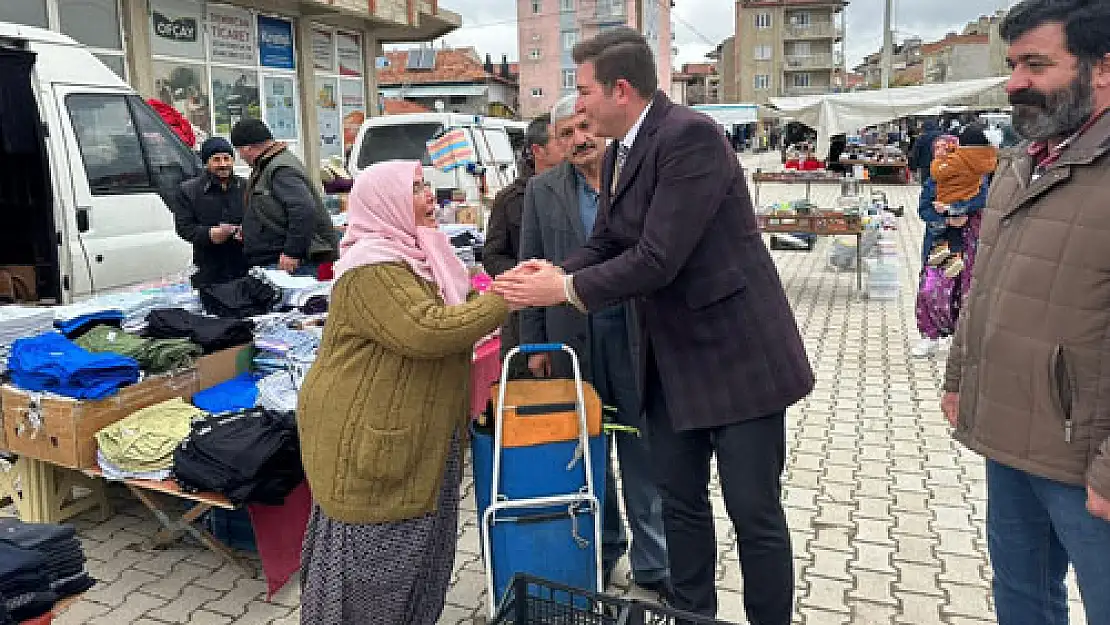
1028, 378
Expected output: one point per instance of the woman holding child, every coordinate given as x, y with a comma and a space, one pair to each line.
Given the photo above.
951, 200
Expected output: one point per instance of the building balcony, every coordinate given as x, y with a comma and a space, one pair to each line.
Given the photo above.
813, 30
793, 63
614, 14
395, 20
811, 90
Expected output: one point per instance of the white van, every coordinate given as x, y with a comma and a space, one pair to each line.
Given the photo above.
405, 137
84, 165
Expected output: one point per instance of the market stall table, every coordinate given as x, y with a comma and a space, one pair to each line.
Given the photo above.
793, 177
819, 224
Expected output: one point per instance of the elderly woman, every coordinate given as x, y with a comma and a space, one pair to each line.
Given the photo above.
381, 410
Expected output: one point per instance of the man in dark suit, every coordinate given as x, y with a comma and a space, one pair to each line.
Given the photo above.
722, 358
560, 208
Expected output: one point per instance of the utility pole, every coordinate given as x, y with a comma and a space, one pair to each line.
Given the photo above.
888, 44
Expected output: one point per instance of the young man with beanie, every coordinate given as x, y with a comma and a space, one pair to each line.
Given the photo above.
285, 225
209, 212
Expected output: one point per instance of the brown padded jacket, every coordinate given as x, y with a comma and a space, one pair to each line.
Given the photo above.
1031, 359
960, 174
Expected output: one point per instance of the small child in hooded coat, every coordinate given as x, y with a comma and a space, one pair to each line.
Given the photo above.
960, 169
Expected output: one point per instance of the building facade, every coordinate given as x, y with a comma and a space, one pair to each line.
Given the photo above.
452, 80
725, 58
696, 83
547, 31
306, 67
788, 47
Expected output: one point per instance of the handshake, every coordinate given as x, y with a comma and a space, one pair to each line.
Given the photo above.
532, 283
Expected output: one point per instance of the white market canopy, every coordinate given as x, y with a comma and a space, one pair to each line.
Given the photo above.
842, 113
730, 114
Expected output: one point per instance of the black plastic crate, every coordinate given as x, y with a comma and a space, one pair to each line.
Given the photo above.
534, 601
643, 613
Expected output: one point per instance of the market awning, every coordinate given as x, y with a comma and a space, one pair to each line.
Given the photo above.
841, 113
433, 91
729, 114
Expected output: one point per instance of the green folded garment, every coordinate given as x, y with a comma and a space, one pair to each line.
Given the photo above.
145, 440
153, 355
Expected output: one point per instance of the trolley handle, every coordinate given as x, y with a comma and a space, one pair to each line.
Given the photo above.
541, 348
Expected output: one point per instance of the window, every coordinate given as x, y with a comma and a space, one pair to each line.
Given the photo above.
534, 54
570, 38
29, 12
801, 48
570, 78
762, 21
566, 5
762, 53
126, 147
406, 142
801, 80
537, 92
537, 7
800, 19
109, 144
762, 81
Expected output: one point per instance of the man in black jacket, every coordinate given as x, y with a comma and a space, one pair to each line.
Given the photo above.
209, 212
502, 248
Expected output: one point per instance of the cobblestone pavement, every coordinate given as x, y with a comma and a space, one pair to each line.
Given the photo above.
886, 511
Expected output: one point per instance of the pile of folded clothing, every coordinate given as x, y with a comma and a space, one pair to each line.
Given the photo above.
153, 355
141, 446
20, 321
238, 393
50, 362
25, 583
276, 348
250, 457
241, 298
296, 291
58, 544
77, 324
210, 333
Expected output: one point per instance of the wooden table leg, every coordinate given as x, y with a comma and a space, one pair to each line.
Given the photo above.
173, 529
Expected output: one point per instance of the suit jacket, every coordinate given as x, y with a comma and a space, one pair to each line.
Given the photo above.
679, 234
551, 228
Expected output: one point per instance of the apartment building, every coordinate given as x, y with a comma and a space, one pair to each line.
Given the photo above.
696, 83
725, 58
547, 31
788, 47
906, 58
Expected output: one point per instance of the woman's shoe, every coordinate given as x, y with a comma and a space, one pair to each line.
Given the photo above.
925, 347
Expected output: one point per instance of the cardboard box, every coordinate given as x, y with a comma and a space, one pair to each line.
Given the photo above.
223, 365
63, 431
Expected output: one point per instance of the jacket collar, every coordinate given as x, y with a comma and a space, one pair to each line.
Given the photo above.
1084, 149
211, 180
657, 112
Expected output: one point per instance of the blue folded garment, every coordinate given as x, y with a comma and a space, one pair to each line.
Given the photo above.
80, 324
50, 362
238, 393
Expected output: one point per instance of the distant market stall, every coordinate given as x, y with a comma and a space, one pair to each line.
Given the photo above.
840, 113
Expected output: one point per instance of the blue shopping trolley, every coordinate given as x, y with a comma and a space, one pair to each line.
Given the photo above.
540, 500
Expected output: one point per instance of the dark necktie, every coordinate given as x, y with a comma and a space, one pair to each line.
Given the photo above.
618, 166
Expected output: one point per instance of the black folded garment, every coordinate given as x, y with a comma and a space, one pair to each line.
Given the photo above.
250, 457
30, 605
32, 535
211, 334
241, 298
73, 585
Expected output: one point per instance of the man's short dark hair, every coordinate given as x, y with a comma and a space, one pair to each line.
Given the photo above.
1086, 24
620, 53
538, 132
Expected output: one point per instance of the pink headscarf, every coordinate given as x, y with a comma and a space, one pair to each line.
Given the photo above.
381, 228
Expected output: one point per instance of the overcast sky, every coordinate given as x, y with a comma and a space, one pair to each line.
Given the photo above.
490, 25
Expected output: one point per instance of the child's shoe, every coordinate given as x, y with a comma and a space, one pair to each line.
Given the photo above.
955, 266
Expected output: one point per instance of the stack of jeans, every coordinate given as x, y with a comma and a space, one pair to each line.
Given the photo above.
24, 583
58, 545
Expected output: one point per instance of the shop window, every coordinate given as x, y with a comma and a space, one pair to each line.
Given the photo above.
340, 90
234, 97
184, 86
109, 144
176, 29
94, 23
28, 12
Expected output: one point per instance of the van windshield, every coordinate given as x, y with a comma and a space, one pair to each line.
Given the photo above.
397, 142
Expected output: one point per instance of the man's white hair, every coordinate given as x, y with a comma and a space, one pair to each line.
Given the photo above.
564, 108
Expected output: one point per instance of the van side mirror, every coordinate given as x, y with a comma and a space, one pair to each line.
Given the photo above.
82, 220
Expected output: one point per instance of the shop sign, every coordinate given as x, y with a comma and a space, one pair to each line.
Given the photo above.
231, 36
275, 42
182, 29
